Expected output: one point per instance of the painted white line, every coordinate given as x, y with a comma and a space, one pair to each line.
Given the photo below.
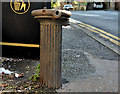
86, 14
74, 21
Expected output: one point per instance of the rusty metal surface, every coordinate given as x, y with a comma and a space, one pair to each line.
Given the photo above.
50, 55
51, 22
51, 13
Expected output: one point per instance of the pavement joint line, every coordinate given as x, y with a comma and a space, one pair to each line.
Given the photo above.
78, 22
104, 36
20, 44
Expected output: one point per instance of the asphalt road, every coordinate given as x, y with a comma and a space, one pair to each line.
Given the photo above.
105, 20
103, 26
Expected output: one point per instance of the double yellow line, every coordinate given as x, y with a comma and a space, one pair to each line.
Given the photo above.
102, 33
20, 44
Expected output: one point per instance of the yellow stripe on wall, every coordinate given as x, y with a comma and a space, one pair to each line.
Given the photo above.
20, 44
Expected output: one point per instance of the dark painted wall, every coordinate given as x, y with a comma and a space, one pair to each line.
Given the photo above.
21, 29
0, 21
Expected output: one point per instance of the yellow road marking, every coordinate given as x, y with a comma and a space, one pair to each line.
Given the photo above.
104, 36
20, 44
112, 40
89, 28
115, 37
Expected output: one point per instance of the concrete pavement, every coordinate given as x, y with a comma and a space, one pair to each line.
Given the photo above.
97, 66
104, 79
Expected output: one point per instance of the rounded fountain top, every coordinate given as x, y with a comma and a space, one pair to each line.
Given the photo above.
51, 13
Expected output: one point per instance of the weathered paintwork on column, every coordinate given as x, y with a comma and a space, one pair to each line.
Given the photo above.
51, 22
50, 54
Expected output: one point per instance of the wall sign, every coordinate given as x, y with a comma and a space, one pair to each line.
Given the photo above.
20, 6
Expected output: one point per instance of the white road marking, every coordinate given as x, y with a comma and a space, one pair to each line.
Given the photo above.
86, 14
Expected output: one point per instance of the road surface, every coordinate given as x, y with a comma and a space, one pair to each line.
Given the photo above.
106, 20
103, 25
